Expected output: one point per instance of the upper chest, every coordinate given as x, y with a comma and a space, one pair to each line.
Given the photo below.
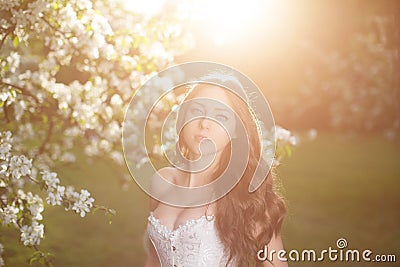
173, 217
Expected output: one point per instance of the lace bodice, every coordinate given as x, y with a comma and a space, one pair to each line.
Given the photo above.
193, 244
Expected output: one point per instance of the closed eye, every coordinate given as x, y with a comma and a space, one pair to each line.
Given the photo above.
196, 111
221, 117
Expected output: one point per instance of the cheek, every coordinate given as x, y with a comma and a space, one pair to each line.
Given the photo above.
228, 130
188, 129
222, 137
183, 135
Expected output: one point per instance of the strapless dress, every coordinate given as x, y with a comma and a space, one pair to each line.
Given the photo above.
194, 243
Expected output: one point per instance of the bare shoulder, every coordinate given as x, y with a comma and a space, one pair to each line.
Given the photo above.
168, 174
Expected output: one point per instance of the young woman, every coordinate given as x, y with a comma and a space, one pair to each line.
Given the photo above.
231, 230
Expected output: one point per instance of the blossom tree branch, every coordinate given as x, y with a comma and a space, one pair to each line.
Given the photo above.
68, 69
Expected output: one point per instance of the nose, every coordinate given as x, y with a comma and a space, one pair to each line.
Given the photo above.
204, 123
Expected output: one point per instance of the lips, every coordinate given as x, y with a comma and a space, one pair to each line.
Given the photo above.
200, 137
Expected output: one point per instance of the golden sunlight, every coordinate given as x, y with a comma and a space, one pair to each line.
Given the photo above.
145, 7
227, 21
224, 21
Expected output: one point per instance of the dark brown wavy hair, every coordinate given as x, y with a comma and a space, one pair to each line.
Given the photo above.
246, 221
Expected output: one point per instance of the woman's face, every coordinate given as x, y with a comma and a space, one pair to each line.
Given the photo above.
208, 115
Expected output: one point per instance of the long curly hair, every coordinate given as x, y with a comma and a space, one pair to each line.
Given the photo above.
246, 221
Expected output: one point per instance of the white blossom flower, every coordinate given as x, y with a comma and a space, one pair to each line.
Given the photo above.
31, 235
8, 214
294, 140
3, 181
26, 130
19, 18
92, 148
51, 180
83, 4
70, 192
20, 166
72, 131
3, 95
116, 100
157, 150
117, 157
21, 194
19, 108
83, 204
68, 157
112, 131
281, 133
13, 61
36, 8
35, 206
5, 148
8, 5
56, 197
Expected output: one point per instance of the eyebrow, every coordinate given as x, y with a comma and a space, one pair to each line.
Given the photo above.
223, 109
219, 109
195, 102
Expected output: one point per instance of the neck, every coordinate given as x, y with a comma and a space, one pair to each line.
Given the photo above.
200, 178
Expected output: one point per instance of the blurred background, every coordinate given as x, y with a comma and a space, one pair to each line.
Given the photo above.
330, 71
321, 64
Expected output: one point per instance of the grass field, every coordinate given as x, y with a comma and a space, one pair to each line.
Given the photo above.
336, 187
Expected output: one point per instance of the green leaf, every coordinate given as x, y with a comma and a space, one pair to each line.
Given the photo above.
89, 28
110, 215
35, 257
16, 41
41, 257
96, 208
45, 118
288, 150
13, 93
32, 260
139, 67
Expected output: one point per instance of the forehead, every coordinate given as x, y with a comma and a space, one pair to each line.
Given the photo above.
218, 94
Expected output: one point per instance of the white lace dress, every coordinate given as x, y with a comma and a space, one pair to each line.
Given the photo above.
193, 244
